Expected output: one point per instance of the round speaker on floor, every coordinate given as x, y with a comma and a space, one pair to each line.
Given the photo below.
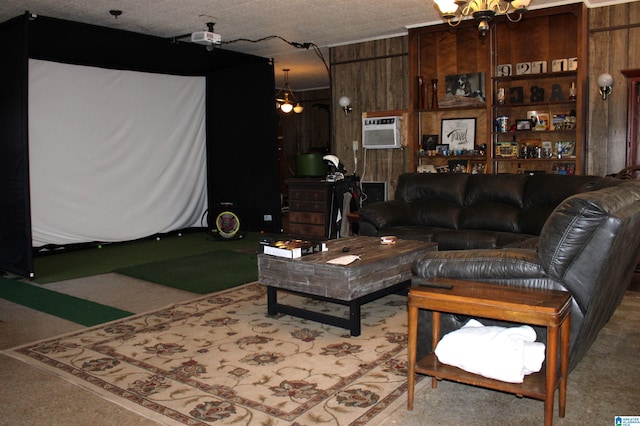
226, 222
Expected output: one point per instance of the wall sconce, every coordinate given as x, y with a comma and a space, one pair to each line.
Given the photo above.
605, 81
345, 103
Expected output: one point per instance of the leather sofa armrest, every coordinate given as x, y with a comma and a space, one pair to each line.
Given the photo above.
480, 265
385, 214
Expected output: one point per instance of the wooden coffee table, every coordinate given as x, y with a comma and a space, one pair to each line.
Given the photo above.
381, 270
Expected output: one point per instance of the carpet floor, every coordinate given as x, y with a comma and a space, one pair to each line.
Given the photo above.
61, 305
219, 358
202, 273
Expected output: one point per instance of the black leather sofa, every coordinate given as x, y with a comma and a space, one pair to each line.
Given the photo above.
577, 233
464, 211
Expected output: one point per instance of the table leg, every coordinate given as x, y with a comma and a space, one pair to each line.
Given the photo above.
565, 329
411, 350
354, 317
551, 378
435, 338
272, 300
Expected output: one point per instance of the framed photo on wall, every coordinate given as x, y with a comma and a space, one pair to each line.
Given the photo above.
459, 133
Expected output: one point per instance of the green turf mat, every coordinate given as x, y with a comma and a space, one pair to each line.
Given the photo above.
202, 273
60, 305
93, 260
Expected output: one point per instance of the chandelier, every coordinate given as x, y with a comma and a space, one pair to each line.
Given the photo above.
285, 98
482, 10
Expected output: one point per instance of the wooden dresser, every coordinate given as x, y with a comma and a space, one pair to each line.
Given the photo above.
311, 203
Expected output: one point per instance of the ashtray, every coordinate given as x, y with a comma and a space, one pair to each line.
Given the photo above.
388, 240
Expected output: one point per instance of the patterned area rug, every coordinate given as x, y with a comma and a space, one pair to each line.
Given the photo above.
220, 359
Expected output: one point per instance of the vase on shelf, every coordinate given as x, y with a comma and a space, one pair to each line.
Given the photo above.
421, 91
434, 93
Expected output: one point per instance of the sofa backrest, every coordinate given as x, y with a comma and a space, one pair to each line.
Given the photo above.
493, 202
544, 192
434, 199
504, 202
591, 243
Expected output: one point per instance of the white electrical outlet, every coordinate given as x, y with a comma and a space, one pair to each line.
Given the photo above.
355, 145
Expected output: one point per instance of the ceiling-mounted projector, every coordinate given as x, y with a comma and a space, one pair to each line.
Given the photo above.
206, 37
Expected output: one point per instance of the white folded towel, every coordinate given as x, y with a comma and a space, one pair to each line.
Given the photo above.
501, 353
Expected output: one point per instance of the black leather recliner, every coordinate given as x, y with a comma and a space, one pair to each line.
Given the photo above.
589, 246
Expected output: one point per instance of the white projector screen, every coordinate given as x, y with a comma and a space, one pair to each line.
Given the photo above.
114, 155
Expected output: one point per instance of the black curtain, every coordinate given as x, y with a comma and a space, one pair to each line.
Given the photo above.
241, 142
15, 215
242, 151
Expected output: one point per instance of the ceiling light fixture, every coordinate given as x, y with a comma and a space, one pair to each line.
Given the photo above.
285, 98
454, 11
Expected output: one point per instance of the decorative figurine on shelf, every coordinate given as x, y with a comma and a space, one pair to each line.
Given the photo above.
500, 96
434, 93
573, 92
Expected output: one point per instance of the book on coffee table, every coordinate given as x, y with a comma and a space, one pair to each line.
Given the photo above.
290, 249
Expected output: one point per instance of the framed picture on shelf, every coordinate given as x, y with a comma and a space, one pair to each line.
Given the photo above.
568, 148
429, 142
523, 124
563, 120
442, 149
539, 120
459, 133
470, 86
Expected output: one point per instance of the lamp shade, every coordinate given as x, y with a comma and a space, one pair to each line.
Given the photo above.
605, 80
520, 4
447, 7
286, 108
344, 101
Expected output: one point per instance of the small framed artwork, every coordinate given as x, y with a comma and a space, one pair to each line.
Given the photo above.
466, 85
523, 124
442, 149
459, 133
429, 142
539, 120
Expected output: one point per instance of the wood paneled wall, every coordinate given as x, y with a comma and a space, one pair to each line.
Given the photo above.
305, 133
374, 76
614, 45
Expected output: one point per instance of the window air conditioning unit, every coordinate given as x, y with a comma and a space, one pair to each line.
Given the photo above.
381, 132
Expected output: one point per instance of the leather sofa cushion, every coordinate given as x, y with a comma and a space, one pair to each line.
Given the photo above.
432, 186
492, 216
435, 212
493, 203
496, 189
